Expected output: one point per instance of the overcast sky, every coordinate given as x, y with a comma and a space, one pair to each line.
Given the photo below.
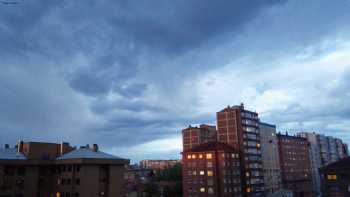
130, 74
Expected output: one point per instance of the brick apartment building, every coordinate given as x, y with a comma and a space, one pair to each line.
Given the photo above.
194, 136
211, 169
336, 178
59, 170
295, 165
239, 128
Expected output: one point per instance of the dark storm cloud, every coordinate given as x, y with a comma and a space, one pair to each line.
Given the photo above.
123, 72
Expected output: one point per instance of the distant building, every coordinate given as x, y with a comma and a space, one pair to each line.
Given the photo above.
59, 170
270, 158
194, 136
336, 178
323, 151
157, 165
295, 165
239, 128
211, 169
332, 149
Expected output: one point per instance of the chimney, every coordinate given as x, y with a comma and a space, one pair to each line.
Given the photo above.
63, 148
20, 146
7, 146
95, 147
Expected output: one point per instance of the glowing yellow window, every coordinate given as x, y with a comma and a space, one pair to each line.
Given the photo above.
258, 145
209, 156
189, 157
248, 190
200, 156
58, 194
202, 189
193, 156
210, 173
201, 172
332, 177
247, 174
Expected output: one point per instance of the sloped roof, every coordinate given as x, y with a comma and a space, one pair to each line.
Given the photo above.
211, 146
11, 154
87, 153
339, 165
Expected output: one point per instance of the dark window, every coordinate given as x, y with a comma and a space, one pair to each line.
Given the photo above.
77, 168
68, 181
77, 181
21, 171
69, 168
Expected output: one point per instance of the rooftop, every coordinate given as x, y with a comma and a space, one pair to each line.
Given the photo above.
87, 153
11, 154
339, 165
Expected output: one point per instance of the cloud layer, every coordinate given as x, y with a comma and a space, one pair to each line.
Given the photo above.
132, 74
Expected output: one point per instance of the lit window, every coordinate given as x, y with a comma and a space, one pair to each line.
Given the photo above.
258, 145
210, 173
193, 156
200, 156
194, 173
188, 156
332, 177
247, 174
248, 190
201, 172
209, 156
202, 189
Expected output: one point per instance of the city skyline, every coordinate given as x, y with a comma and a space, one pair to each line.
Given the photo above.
130, 75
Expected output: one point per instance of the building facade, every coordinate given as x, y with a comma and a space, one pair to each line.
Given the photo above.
239, 128
270, 158
211, 169
315, 160
157, 165
295, 165
59, 170
194, 136
336, 178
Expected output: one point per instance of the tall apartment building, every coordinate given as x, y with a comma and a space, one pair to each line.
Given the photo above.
295, 165
194, 136
211, 169
239, 128
315, 160
270, 158
59, 170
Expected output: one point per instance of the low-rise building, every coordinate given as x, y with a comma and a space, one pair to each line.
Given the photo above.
59, 170
336, 178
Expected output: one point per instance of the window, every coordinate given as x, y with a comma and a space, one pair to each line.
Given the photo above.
202, 189
210, 173
201, 172
331, 177
209, 164
210, 182
200, 156
193, 156
77, 181
209, 156
210, 190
